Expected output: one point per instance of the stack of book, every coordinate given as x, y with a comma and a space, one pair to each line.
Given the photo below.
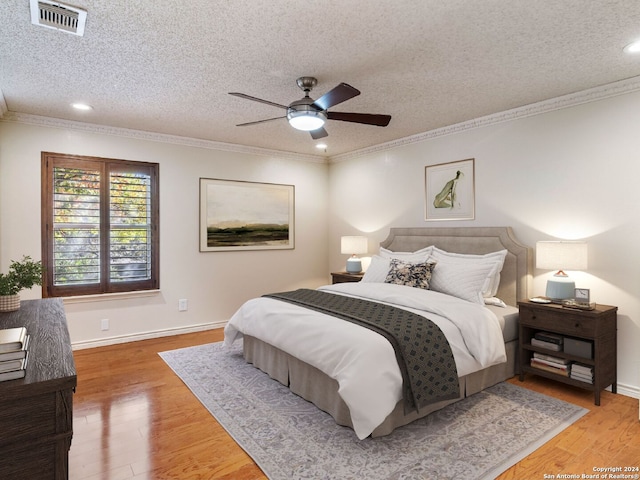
14, 343
549, 363
583, 373
547, 340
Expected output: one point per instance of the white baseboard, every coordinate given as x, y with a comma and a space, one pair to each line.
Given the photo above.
628, 390
103, 342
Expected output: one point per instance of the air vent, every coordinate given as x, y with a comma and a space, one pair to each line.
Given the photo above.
58, 16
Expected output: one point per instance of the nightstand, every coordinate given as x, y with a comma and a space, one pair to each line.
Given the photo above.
592, 331
343, 277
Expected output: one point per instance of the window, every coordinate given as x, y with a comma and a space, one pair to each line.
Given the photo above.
99, 225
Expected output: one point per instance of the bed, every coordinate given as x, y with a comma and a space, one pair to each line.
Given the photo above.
272, 344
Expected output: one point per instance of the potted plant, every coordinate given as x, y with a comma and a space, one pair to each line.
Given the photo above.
22, 275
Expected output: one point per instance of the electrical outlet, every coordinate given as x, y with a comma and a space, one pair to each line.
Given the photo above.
104, 323
183, 305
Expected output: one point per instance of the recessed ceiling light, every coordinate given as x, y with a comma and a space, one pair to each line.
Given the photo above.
321, 146
633, 47
82, 106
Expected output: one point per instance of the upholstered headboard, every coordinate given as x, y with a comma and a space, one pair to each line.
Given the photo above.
516, 276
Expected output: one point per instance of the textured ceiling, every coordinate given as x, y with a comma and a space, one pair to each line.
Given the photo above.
166, 66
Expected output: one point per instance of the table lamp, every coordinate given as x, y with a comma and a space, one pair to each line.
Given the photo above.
354, 245
561, 255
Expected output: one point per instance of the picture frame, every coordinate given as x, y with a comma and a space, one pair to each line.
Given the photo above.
582, 295
450, 191
239, 215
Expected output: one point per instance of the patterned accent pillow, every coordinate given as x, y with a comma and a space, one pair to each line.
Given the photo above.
416, 275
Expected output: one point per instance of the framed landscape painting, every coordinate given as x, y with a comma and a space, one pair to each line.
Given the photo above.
450, 191
237, 215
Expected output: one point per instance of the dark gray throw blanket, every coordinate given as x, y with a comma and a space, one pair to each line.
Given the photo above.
424, 355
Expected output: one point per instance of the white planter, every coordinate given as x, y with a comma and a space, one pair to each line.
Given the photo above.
9, 303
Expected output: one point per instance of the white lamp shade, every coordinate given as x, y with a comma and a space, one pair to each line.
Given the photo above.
353, 245
561, 255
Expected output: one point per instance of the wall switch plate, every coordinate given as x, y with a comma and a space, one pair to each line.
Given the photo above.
183, 305
104, 324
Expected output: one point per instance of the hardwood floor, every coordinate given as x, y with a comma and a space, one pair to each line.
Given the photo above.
135, 419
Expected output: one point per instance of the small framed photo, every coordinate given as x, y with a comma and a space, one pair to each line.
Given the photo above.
582, 295
450, 191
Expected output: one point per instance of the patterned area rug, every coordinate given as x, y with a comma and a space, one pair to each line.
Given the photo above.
289, 438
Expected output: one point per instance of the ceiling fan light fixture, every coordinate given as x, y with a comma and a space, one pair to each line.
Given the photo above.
310, 115
306, 120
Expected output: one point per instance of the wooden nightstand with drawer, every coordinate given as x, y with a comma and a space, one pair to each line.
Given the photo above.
343, 277
590, 334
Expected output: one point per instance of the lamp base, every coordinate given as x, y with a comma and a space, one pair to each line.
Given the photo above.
560, 288
354, 265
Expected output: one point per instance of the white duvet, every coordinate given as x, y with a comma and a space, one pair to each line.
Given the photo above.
360, 360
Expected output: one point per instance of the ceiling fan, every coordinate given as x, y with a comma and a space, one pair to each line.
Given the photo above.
310, 115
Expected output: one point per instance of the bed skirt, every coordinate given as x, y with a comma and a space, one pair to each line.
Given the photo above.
313, 385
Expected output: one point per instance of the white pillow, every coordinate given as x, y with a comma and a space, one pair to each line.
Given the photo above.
419, 256
377, 271
496, 259
461, 280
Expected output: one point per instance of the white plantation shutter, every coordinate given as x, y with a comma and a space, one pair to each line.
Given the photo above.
100, 227
76, 226
130, 233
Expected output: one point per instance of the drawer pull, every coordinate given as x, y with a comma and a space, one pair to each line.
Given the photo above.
577, 325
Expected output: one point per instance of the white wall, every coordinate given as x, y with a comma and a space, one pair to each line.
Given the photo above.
571, 174
215, 283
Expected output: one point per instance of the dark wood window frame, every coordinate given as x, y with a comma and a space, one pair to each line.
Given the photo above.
107, 278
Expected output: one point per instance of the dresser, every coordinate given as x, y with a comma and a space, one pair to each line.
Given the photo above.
36, 412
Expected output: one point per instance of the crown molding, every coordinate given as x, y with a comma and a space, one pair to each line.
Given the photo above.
52, 122
586, 96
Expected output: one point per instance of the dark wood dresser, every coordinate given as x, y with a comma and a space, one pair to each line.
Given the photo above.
36, 412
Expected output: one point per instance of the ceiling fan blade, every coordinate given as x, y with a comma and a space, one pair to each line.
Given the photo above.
318, 133
260, 121
255, 99
339, 94
366, 118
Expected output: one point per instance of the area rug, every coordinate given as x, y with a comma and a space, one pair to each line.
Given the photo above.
289, 438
